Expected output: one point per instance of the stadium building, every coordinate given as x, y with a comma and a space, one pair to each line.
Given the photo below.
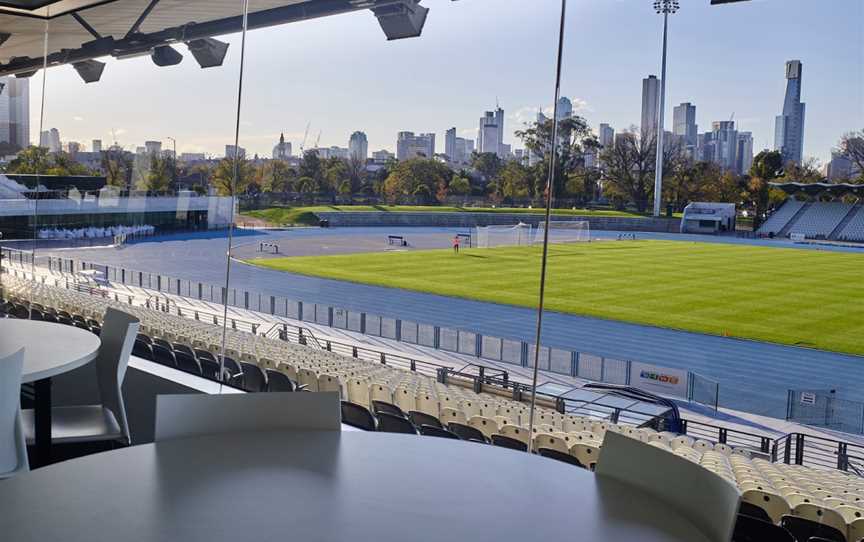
497, 374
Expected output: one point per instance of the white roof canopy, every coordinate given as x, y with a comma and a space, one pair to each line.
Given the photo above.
81, 30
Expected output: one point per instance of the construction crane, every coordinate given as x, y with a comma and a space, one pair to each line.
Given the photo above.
318, 139
305, 136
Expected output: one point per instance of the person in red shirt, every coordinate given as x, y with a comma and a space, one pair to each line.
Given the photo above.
456, 244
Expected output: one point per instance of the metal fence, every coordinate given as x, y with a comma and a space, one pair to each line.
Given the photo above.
582, 365
824, 409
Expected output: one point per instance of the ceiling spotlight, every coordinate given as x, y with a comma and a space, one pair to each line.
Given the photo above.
208, 52
165, 55
89, 70
404, 19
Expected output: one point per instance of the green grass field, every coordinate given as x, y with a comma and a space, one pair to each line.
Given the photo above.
306, 215
801, 297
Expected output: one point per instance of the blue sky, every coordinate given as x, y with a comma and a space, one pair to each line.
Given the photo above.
341, 75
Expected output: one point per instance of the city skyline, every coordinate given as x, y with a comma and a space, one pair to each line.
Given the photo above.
428, 99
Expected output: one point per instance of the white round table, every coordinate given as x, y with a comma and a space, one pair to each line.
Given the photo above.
327, 486
49, 350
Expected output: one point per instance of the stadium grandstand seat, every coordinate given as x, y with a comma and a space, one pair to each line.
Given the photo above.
210, 369
419, 419
432, 431
390, 423
820, 219
163, 356
508, 442
142, 350
383, 406
854, 229
803, 529
781, 217
563, 457
357, 416
251, 377
753, 511
466, 432
751, 529
776, 488
278, 381
187, 363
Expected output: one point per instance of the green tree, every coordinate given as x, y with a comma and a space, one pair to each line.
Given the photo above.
310, 166
160, 174
487, 164
514, 181
459, 186
335, 172
118, 167
275, 176
420, 177
227, 169
767, 166
32, 160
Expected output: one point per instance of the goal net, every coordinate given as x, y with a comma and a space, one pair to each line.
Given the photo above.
499, 236
564, 231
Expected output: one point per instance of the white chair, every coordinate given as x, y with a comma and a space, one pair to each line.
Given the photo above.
179, 416
106, 421
13, 450
707, 500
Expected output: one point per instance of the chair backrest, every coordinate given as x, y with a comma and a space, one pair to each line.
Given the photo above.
187, 362
820, 514
278, 381
750, 529
805, 529
119, 330
254, 378
432, 431
774, 505
390, 423
421, 418
466, 432
383, 406
357, 416
508, 442
707, 500
753, 511
13, 451
179, 416
555, 454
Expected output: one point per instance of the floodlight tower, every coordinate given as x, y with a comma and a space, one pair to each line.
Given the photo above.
664, 7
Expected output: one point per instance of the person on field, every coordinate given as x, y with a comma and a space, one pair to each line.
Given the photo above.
456, 244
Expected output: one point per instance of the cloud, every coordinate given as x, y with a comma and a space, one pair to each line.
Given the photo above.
528, 114
77, 118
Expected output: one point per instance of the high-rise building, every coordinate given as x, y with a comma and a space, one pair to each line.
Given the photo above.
450, 144
358, 146
282, 149
720, 145
650, 106
744, 154
789, 126
153, 147
684, 124
97, 145
233, 151
606, 135
565, 108
73, 148
15, 111
490, 136
50, 139
383, 156
409, 145
841, 168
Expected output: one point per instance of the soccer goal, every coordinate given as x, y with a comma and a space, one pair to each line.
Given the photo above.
499, 236
564, 231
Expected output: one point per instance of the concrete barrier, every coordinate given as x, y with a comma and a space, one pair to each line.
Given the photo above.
471, 219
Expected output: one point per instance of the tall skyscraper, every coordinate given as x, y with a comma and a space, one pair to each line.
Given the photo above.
409, 145
97, 145
358, 146
490, 136
789, 127
744, 154
720, 145
684, 124
650, 106
450, 144
153, 147
15, 111
606, 135
233, 151
50, 139
282, 149
565, 108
